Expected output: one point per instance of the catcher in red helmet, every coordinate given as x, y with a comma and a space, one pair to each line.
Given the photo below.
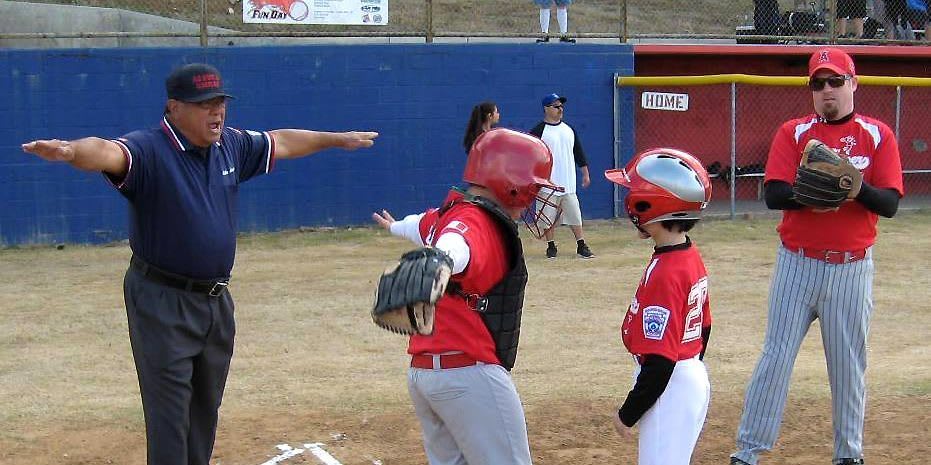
459, 377
668, 323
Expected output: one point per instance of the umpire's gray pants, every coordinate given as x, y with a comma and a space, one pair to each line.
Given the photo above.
182, 344
841, 298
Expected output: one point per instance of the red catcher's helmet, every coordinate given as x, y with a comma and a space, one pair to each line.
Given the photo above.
516, 168
664, 184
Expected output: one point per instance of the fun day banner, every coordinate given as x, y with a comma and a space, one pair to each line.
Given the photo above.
359, 12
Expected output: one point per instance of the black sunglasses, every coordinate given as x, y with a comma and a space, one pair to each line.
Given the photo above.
556, 106
836, 81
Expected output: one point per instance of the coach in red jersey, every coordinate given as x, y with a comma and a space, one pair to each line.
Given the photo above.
824, 266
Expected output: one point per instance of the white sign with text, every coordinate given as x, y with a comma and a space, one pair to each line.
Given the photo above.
664, 101
358, 12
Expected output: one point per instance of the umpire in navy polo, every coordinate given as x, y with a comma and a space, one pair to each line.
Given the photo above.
181, 180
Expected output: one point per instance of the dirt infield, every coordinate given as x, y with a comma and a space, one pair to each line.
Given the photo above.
310, 366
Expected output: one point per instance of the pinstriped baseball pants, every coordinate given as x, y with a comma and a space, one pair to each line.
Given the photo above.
841, 298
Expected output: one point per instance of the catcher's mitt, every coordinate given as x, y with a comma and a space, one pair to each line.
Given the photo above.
406, 296
824, 179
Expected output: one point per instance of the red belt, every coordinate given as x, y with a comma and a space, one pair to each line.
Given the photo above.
444, 361
834, 257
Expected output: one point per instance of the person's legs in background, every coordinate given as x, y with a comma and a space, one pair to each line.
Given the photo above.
572, 217
562, 17
545, 6
841, 27
857, 18
843, 13
884, 16
857, 26
850, 15
554, 213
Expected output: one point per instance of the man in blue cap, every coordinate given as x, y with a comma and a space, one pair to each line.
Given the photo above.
182, 182
566, 147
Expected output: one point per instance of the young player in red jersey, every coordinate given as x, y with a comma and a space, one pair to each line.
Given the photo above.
459, 378
668, 323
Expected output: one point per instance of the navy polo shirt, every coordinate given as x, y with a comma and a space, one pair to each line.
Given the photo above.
183, 199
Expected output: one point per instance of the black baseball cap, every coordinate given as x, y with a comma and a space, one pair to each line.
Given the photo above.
195, 82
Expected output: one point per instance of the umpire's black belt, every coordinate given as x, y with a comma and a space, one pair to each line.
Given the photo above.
211, 287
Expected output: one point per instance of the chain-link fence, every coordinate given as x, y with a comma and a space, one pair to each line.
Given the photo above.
730, 126
216, 21
836, 21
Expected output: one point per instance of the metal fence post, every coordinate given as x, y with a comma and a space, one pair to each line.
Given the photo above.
203, 23
622, 13
898, 110
617, 142
429, 27
830, 17
733, 180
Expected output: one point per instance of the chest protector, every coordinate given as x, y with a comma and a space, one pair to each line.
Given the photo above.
501, 307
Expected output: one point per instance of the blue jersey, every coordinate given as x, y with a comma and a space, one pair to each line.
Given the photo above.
183, 199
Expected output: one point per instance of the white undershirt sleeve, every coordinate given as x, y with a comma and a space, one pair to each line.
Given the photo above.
456, 247
409, 228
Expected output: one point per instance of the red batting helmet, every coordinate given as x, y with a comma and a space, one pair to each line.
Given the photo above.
516, 168
664, 184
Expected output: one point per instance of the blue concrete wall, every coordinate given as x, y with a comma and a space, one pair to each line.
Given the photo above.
417, 96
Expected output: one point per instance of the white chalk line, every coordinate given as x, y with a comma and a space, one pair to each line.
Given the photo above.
287, 452
315, 448
322, 455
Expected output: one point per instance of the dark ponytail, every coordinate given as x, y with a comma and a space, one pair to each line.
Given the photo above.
478, 118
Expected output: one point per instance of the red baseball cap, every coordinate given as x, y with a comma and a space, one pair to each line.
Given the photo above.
833, 59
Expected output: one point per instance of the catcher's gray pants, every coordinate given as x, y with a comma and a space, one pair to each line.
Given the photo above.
182, 344
469, 415
841, 298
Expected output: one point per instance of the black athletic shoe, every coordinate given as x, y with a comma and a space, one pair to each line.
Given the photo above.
567, 40
736, 461
551, 251
543, 39
584, 251
849, 462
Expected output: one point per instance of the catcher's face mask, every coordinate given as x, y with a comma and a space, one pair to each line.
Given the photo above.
543, 213
664, 184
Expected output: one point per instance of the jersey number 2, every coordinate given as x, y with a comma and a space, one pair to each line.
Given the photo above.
697, 297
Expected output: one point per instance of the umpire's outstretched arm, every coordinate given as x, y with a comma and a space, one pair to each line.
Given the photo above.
89, 154
294, 143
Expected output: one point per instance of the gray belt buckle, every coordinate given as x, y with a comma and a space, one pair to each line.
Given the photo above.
218, 288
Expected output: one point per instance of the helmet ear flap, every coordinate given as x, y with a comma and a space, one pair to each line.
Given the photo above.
638, 208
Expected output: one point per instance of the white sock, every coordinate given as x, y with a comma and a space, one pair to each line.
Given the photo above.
562, 17
545, 20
